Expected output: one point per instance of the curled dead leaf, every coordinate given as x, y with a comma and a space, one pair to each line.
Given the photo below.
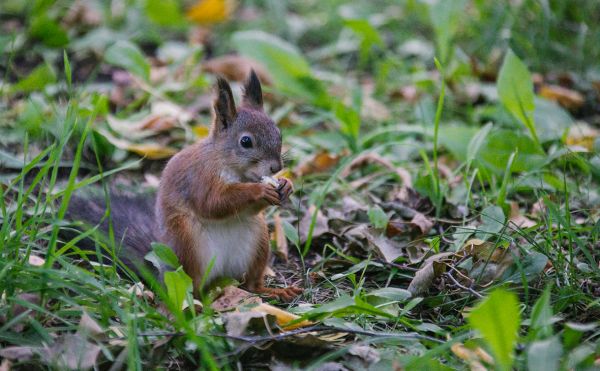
282, 317
431, 268
567, 98
518, 219
319, 163
232, 298
240, 323
582, 136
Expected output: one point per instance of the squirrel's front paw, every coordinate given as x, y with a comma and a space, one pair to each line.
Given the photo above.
285, 189
269, 194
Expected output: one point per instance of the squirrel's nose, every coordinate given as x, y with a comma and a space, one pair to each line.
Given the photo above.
275, 167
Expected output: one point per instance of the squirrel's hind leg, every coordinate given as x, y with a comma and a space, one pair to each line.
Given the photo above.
255, 275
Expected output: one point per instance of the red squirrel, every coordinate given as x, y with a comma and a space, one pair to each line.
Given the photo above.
210, 202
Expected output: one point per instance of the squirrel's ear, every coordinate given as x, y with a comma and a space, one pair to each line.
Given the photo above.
253, 91
224, 105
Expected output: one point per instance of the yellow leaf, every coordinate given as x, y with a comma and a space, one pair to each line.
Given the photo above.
281, 316
211, 11
201, 131
152, 151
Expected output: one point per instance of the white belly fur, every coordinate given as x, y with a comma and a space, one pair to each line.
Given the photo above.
230, 242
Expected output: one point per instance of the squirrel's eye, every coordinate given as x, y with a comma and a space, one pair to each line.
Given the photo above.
246, 142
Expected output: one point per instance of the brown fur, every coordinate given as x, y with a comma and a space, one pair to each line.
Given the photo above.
218, 179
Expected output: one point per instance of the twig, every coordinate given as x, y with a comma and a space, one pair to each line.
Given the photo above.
319, 328
461, 286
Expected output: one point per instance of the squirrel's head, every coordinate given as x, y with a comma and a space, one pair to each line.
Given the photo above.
248, 138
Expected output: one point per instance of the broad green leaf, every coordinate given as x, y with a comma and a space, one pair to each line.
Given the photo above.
37, 79
551, 120
391, 293
477, 141
369, 36
492, 222
544, 355
541, 317
515, 89
164, 12
498, 319
48, 31
456, 138
178, 286
499, 145
165, 254
290, 70
378, 217
291, 233
128, 56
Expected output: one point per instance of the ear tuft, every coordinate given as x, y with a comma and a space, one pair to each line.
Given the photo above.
253, 91
224, 105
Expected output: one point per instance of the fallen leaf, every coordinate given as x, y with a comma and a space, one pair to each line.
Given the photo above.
472, 357
366, 158
211, 11
386, 248
319, 163
72, 352
422, 222
151, 150
18, 353
567, 98
281, 243
366, 353
236, 68
582, 136
232, 298
240, 323
89, 327
431, 268
282, 317
518, 219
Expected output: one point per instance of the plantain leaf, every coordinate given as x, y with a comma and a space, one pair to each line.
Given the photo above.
515, 89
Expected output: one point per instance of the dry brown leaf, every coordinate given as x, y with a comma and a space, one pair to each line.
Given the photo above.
232, 298
72, 352
211, 11
282, 317
386, 248
538, 208
582, 136
422, 222
431, 268
374, 158
240, 323
89, 327
319, 163
236, 68
140, 291
19, 354
366, 353
151, 150
472, 357
518, 219
281, 243
567, 98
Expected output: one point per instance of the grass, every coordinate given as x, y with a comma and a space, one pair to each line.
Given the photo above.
414, 268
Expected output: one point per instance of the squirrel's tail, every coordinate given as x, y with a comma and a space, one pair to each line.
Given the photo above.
133, 223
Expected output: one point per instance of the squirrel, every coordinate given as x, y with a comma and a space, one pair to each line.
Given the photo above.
210, 202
